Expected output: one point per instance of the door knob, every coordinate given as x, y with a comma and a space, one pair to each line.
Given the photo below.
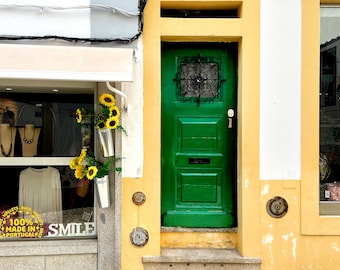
230, 114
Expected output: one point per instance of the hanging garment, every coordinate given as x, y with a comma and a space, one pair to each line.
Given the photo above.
40, 189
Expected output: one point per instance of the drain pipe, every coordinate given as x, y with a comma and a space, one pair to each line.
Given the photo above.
118, 92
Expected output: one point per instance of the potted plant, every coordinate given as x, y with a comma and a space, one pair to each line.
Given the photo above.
86, 168
105, 120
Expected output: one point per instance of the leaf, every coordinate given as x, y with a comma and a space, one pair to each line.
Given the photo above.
122, 129
104, 168
106, 111
107, 164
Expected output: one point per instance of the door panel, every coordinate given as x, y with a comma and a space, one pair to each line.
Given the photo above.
198, 137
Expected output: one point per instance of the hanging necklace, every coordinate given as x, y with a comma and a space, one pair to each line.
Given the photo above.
28, 141
10, 148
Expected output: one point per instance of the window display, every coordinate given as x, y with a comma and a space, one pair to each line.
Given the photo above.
41, 198
329, 159
40, 189
7, 137
46, 198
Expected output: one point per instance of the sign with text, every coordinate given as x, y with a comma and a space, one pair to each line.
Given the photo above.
24, 222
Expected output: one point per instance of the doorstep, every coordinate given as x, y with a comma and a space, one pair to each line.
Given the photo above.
200, 258
216, 238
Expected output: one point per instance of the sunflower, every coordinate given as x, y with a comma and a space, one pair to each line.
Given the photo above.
112, 122
101, 124
82, 155
105, 117
114, 111
91, 172
74, 163
79, 116
86, 166
79, 172
107, 100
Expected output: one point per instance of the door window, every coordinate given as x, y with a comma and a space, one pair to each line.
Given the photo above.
199, 77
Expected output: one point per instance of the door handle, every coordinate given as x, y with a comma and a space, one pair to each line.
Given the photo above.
230, 114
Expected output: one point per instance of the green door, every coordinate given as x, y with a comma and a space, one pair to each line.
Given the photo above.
198, 134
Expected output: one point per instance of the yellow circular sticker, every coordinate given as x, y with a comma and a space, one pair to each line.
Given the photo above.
21, 222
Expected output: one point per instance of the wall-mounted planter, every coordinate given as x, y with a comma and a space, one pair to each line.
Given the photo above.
103, 191
106, 142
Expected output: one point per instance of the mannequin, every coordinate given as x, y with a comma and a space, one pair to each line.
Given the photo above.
7, 140
29, 140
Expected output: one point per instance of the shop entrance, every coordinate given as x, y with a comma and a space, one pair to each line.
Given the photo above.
198, 134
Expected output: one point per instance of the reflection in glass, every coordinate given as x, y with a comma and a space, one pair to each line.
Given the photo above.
42, 202
329, 159
39, 202
42, 125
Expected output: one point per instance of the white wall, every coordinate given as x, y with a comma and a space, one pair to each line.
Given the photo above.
132, 120
280, 90
69, 18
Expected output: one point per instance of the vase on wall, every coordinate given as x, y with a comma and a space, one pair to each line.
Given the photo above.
103, 191
106, 142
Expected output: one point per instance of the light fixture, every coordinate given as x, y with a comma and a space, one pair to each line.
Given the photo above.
8, 89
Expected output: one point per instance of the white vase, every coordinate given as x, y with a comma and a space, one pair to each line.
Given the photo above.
106, 142
103, 191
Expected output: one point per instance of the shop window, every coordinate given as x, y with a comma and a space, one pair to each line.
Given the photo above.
329, 159
39, 197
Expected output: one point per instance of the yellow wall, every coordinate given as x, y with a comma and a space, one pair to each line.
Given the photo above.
301, 239
148, 214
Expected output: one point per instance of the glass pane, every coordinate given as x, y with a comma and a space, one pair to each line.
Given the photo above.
199, 80
41, 124
40, 202
329, 104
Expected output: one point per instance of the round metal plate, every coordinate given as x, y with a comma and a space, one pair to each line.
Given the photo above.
277, 207
138, 198
139, 237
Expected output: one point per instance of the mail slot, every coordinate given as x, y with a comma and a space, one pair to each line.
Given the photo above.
199, 160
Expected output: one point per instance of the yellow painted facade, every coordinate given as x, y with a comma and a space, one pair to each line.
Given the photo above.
302, 239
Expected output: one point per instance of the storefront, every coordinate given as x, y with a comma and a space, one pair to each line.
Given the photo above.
49, 214
229, 156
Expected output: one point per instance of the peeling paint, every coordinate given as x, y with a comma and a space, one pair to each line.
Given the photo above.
265, 190
293, 241
294, 248
285, 236
268, 239
246, 183
335, 247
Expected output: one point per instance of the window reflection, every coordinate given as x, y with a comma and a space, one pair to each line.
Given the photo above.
41, 125
329, 104
39, 202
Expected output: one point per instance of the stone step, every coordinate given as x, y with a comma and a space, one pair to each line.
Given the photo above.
200, 259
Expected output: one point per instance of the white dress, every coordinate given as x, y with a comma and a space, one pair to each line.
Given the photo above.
40, 189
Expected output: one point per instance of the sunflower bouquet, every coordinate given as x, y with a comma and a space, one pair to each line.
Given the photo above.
86, 165
106, 118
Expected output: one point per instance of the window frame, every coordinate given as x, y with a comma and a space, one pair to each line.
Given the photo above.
53, 161
312, 223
